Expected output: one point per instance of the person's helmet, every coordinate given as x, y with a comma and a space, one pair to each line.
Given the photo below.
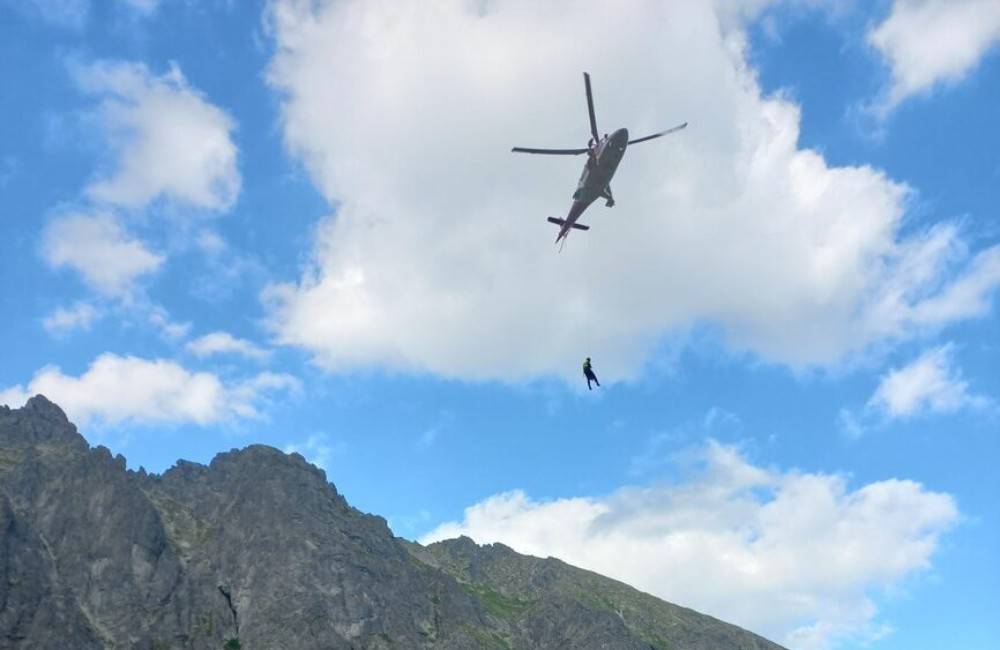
588, 358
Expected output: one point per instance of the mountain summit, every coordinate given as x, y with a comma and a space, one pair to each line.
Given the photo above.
258, 550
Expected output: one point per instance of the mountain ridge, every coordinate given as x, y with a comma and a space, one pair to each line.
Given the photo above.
258, 546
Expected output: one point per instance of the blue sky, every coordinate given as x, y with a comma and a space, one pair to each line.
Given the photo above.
299, 224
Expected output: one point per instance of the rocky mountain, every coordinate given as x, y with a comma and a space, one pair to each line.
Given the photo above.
258, 550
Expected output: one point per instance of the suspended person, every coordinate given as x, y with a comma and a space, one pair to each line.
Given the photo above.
588, 372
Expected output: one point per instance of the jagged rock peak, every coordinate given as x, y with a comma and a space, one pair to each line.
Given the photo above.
284, 473
38, 421
264, 455
253, 458
463, 545
41, 406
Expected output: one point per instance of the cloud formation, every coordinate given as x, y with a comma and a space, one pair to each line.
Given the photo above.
168, 143
71, 14
927, 42
225, 343
795, 556
168, 140
929, 384
80, 316
117, 389
144, 7
439, 258
97, 247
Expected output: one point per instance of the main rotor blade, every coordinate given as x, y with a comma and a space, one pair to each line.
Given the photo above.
657, 135
590, 108
553, 152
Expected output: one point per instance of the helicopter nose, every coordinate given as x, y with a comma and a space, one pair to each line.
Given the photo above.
620, 137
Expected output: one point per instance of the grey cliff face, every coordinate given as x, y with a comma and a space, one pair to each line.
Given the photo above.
258, 546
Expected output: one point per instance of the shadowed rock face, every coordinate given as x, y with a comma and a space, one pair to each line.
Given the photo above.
259, 546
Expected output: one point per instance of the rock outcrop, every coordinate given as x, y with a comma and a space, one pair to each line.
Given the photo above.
259, 548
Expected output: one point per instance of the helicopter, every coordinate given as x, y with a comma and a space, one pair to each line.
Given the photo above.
603, 157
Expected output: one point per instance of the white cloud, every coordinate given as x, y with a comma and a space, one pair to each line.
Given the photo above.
159, 318
246, 393
439, 258
80, 316
169, 140
97, 247
117, 389
143, 6
225, 343
717, 423
71, 14
211, 243
850, 424
967, 296
930, 383
927, 42
796, 556
317, 449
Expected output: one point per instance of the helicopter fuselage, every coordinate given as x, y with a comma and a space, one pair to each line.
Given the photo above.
598, 171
